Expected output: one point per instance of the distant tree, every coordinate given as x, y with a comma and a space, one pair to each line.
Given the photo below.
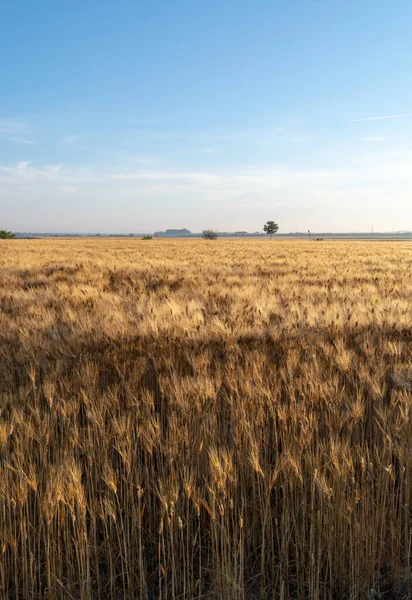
147, 237
270, 227
6, 235
209, 234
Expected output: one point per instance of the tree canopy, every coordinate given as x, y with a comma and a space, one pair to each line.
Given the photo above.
270, 227
209, 234
6, 235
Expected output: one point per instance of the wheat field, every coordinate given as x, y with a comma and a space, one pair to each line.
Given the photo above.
183, 419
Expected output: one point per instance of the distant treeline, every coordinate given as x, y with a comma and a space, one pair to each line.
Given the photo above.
186, 233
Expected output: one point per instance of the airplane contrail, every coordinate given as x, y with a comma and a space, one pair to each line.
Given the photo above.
380, 118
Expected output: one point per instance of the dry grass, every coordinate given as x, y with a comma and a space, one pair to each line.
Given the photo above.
191, 419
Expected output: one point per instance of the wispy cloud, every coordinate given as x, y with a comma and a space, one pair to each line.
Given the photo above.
71, 140
143, 160
19, 140
381, 118
213, 137
23, 173
209, 150
10, 126
149, 120
373, 138
14, 132
54, 168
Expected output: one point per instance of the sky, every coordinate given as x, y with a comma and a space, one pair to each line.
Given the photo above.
136, 116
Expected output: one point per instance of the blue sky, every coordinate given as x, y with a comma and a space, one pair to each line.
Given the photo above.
139, 116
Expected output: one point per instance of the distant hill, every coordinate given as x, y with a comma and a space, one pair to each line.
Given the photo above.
173, 233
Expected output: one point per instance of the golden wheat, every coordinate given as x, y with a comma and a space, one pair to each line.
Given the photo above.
188, 419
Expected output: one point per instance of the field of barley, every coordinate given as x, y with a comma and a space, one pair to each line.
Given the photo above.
224, 420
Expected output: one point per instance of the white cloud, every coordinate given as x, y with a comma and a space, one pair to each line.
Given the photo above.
236, 180
107, 199
166, 176
381, 118
373, 138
